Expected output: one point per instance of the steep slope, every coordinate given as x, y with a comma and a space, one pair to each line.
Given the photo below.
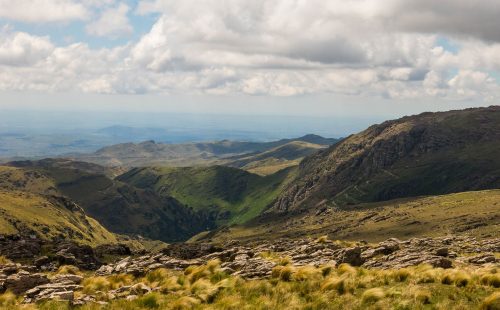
474, 213
230, 195
150, 153
426, 154
119, 207
51, 217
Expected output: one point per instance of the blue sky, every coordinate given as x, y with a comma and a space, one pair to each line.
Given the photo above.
339, 58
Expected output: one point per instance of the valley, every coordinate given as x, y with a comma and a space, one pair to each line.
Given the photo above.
418, 194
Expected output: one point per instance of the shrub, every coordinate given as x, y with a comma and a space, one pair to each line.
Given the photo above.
4, 260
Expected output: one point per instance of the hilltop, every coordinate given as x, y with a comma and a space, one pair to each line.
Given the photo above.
224, 152
425, 154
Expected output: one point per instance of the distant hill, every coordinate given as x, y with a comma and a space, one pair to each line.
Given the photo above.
230, 195
29, 204
118, 206
425, 154
275, 159
150, 153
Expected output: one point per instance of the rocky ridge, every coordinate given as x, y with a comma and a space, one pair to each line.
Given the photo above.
250, 261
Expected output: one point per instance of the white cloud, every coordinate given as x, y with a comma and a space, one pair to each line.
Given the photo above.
22, 49
38, 11
278, 48
113, 22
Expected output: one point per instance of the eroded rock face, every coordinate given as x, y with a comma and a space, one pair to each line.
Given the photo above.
22, 281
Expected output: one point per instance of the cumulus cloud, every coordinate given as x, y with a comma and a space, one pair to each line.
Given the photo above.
279, 48
36, 11
22, 49
113, 22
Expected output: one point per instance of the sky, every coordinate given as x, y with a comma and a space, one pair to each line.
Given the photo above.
342, 58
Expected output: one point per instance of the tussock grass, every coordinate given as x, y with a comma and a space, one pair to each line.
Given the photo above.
7, 300
372, 295
305, 287
491, 302
4, 260
68, 269
322, 239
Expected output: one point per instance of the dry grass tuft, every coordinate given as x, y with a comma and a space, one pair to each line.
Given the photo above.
4, 260
372, 295
68, 269
322, 239
491, 302
185, 303
7, 300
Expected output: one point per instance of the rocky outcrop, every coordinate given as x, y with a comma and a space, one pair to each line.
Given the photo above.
365, 167
252, 262
22, 281
249, 262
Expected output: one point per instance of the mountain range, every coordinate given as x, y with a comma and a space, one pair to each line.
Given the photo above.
213, 191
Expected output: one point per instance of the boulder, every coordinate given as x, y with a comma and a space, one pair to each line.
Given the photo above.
22, 281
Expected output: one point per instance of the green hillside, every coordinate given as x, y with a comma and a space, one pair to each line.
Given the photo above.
232, 195
119, 207
475, 213
24, 210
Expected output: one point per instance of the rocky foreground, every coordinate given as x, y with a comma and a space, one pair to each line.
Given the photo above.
37, 282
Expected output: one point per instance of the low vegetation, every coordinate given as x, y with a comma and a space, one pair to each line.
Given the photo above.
402, 218
307, 287
49, 217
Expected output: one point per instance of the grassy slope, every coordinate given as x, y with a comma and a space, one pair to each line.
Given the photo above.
125, 209
476, 213
24, 212
275, 159
235, 194
426, 154
119, 207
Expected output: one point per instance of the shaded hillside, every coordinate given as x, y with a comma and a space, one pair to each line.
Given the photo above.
229, 194
473, 213
120, 207
426, 154
24, 210
150, 153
